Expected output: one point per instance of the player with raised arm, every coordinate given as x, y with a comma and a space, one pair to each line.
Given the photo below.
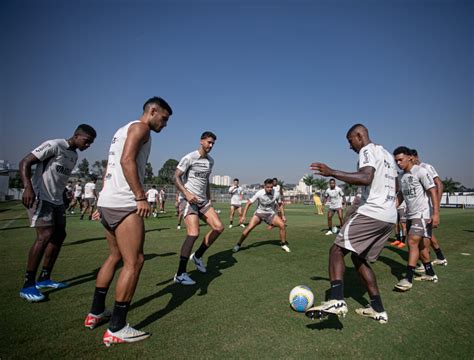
268, 208
44, 200
235, 202
192, 180
123, 206
416, 187
336, 199
365, 232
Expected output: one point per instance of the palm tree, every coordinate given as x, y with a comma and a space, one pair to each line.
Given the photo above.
320, 183
349, 189
309, 181
450, 187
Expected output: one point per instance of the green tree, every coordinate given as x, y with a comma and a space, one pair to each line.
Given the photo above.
320, 183
166, 173
148, 173
349, 189
450, 187
97, 168
15, 183
84, 168
308, 181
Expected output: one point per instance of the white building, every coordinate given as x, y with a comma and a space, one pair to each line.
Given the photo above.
302, 188
221, 180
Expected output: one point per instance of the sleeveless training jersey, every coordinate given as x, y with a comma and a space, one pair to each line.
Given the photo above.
196, 171
378, 198
414, 184
52, 173
116, 192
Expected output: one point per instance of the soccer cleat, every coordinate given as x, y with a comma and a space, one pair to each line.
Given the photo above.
420, 269
230, 226
381, 317
198, 262
336, 307
92, 321
236, 248
285, 247
50, 284
329, 232
433, 278
125, 335
395, 243
404, 285
31, 294
183, 279
443, 262
401, 245
242, 226
178, 227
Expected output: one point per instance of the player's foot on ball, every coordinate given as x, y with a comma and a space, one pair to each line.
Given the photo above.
236, 248
403, 285
395, 243
50, 284
92, 321
335, 307
433, 278
183, 279
198, 262
443, 262
31, 294
381, 317
329, 232
285, 247
125, 335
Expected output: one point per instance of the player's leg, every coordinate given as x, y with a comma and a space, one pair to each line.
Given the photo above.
254, 221
278, 222
85, 207
330, 215
239, 211
192, 230
339, 215
231, 216
440, 259
406, 283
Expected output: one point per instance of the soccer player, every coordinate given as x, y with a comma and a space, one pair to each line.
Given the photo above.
416, 185
152, 198
44, 200
401, 226
192, 180
123, 206
364, 234
268, 206
90, 197
440, 259
77, 198
335, 196
162, 198
235, 202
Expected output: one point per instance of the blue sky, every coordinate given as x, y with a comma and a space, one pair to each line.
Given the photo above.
279, 82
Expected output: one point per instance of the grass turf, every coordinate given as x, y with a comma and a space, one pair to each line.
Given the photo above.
240, 308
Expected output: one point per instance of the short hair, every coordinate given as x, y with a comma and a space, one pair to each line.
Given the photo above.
87, 129
208, 134
93, 177
414, 152
268, 181
153, 186
402, 150
275, 179
355, 127
157, 101
236, 179
332, 179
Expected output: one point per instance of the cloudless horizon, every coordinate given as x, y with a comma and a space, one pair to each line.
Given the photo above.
279, 83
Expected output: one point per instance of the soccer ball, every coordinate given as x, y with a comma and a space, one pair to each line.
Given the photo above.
335, 230
301, 298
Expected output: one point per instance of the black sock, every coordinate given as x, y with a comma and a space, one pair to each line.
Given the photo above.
376, 303
397, 237
183, 262
337, 290
45, 274
429, 269
231, 222
202, 249
98, 302
119, 316
439, 254
410, 272
404, 239
30, 279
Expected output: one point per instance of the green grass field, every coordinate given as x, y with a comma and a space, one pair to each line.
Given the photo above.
240, 308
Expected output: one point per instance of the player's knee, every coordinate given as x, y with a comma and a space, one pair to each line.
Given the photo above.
219, 229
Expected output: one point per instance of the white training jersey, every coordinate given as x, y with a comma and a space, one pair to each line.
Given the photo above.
414, 185
89, 190
236, 195
151, 195
116, 192
335, 196
52, 173
267, 203
77, 190
430, 168
378, 199
403, 205
196, 171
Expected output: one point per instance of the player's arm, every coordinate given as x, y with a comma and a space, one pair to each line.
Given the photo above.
28, 197
244, 212
138, 134
208, 190
398, 191
190, 197
439, 188
433, 194
363, 176
282, 210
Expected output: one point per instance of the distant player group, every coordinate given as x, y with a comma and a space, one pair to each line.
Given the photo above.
123, 204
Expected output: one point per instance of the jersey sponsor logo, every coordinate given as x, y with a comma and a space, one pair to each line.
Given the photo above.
63, 170
108, 176
114, 140
366, 156
202, 175
43, 147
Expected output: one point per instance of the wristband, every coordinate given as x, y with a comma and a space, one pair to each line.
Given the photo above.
141, 199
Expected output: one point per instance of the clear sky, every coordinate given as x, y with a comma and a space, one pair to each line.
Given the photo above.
279, 82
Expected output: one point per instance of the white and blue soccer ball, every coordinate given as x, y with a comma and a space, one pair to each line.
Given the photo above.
335, 230
301, 298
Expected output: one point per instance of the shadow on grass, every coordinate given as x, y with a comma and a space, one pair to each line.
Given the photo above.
261, 243
15, 228
396, 268
403, 253
468, 231
84, 241
18, 218
331, 322
181, 293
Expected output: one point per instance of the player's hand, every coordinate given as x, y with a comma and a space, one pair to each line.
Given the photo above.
284, 219
241, 219
321, 169
96, 215
191, 198
434, 221
143, 208
28, 198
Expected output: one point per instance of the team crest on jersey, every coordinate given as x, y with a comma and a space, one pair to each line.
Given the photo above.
366, 156
42, 148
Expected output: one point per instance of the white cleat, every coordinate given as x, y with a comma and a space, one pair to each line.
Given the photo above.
336, 307
420, 270
443, 262
230, 226
178, 227
198, 262
285, 248
433, 278
381, 317
125, 335
242, 226
403, 285
236, 248
329, 233
183, 279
